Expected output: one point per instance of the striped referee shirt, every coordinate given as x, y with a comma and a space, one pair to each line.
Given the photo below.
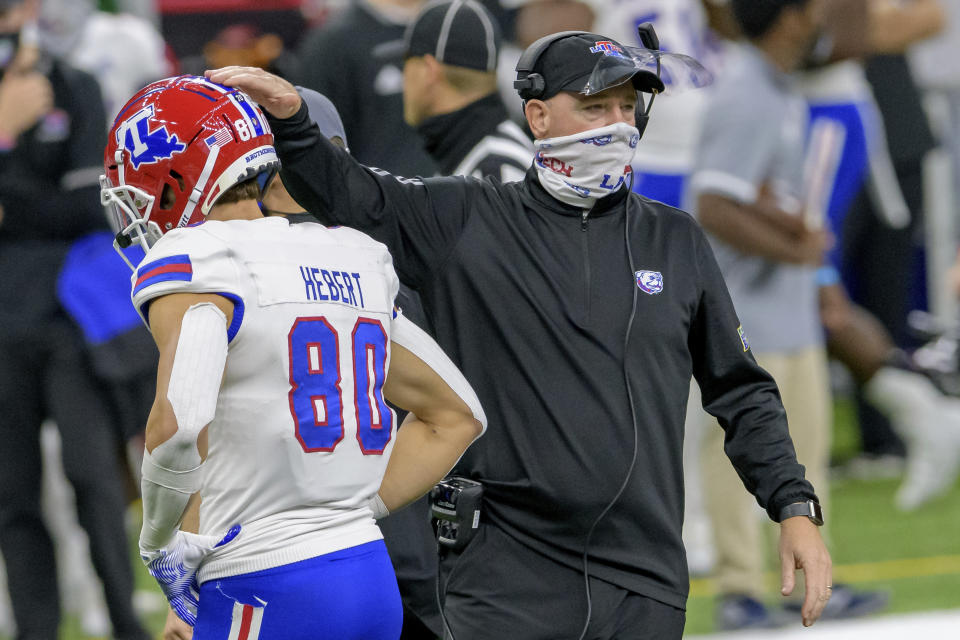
478, 140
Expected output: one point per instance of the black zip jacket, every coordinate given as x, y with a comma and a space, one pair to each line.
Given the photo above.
532, 299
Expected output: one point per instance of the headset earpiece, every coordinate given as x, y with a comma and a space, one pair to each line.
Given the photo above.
528, 84
532, 86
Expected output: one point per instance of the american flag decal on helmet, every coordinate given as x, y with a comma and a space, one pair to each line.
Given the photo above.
246, 621
221, 137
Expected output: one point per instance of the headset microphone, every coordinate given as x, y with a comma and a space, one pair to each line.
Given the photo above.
648, 38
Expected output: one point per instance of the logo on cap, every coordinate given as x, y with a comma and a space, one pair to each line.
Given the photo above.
608, 48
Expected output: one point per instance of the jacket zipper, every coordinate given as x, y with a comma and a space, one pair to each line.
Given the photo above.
586, 260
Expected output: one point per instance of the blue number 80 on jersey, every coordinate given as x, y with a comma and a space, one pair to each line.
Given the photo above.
316, 396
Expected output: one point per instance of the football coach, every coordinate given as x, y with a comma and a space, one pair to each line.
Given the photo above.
579, 312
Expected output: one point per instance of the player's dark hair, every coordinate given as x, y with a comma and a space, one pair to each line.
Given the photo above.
246, 190
757, 17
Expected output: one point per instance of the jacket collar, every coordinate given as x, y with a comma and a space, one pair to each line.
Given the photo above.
535, 196
448, 138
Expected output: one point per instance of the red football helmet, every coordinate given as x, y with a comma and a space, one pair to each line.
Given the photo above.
175, 148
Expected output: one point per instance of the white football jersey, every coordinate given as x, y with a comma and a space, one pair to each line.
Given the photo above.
302, 434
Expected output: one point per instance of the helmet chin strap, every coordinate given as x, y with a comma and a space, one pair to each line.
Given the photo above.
201, 184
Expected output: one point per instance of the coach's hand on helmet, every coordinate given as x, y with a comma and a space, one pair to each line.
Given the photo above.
24, 99
273, 93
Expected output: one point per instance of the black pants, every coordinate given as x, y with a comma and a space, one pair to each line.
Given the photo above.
498, 588
45, 374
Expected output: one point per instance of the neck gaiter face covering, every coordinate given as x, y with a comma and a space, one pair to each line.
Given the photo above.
582, 168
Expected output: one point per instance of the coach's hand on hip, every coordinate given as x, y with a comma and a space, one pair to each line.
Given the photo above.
271, 92
801, 547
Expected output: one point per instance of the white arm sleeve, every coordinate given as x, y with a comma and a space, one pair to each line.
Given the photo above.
416, 341
172, 471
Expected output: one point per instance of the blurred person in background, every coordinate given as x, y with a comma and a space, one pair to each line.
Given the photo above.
246, 45
356, 60
748, 192
942, 81
941, 85
51, 123
849, 165
877, 205
146, 9
450, 93
532, 20
122, 51
844, 144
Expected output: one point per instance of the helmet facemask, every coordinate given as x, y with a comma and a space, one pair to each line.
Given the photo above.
129, 210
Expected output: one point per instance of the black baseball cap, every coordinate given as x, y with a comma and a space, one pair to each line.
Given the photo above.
568, 63
461, 33
323, 113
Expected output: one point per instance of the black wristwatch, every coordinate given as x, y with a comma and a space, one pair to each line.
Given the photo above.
810, 508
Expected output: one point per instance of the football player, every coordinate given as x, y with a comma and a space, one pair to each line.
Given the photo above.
275, 343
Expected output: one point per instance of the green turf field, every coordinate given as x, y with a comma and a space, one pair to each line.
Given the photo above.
916, 556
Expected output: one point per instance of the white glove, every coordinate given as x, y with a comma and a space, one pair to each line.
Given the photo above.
175, 566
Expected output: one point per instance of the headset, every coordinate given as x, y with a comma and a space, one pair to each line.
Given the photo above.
531, 85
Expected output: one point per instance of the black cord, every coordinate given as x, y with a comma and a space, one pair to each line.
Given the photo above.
443, 618
633, 458
633, 415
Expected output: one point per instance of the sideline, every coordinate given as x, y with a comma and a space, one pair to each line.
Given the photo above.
864, 572
936, 625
